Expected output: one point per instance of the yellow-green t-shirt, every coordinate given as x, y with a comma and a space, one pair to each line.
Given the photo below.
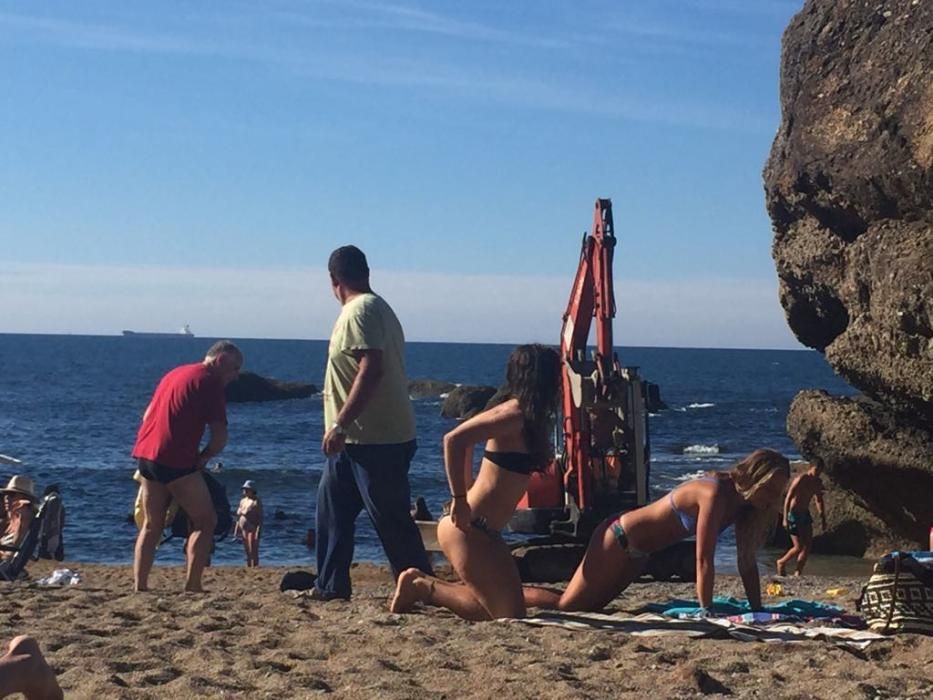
367, 322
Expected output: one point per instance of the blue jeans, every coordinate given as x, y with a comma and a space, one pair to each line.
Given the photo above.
374, 477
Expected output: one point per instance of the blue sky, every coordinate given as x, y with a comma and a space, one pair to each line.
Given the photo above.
163, 163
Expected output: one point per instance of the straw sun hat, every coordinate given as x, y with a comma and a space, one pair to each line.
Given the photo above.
21, 485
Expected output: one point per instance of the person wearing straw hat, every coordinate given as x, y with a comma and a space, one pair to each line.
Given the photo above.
19, 499
249, 522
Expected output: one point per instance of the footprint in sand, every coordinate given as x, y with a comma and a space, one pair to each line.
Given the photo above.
391, 666
162, 676
212, 626
274, 665
62, 643
131, 666
202, 682
125, 617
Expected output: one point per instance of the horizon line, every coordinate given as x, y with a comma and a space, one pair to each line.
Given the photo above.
801, 348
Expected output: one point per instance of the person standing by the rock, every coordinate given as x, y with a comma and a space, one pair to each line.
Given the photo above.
187, 399
369, 432
797, 519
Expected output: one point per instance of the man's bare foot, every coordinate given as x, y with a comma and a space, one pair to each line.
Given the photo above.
406, 591
780, 568
42, 684
798, 572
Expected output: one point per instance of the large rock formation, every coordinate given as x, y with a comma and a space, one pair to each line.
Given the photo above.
849, 186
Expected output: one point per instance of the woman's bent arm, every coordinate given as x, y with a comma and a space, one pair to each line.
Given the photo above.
505, 420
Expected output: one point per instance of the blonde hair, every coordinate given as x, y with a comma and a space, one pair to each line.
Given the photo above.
754, 525
756, 469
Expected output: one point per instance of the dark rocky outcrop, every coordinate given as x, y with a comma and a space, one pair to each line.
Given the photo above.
502, 394
466, 401
653, 400
253, 387
429, 388
878, 472
849, 187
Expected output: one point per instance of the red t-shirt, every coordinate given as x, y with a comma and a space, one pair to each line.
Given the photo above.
187, 399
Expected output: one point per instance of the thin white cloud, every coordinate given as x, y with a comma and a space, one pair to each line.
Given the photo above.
668, 35
779, 8
297, 302
82, 35
468, 81
538, 94
412, 19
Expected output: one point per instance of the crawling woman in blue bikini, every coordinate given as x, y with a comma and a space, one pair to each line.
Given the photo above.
518, 441
749, 496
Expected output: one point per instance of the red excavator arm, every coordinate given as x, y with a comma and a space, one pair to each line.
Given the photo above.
592, 296
604, 464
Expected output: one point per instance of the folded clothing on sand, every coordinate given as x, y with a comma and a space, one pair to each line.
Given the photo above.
60, 577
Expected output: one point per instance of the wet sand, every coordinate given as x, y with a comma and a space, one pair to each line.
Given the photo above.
245, 639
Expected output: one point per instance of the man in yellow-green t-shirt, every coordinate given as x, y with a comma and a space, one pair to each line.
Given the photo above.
369, 432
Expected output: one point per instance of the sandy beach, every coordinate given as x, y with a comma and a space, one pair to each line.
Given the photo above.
246, 639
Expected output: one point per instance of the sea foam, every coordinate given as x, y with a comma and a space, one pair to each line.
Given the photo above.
701, 450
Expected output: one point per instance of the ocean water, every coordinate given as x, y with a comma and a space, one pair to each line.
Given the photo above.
70, 407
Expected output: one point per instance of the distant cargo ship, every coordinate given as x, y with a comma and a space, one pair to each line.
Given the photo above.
183, 332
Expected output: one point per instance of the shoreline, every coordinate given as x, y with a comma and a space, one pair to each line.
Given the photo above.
246, 639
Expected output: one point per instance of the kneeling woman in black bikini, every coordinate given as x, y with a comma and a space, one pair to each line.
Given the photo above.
518, 441
749, 496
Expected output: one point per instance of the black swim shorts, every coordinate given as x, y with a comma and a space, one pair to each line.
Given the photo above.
153, 471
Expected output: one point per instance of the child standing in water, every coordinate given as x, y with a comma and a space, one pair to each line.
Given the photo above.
797, 519
249, 522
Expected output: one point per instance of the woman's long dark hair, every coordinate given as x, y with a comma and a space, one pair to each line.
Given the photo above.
533, 379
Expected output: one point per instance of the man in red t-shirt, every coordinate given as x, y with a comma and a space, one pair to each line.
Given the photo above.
168, 450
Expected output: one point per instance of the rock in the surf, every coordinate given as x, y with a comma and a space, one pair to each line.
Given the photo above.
429, 388
466, 401
253, 387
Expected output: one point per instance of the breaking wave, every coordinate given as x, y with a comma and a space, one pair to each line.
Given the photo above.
701, 450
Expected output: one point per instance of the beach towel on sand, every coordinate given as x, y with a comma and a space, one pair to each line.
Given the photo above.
652, 624
738, 610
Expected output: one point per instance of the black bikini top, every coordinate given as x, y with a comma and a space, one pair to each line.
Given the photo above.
518, 462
